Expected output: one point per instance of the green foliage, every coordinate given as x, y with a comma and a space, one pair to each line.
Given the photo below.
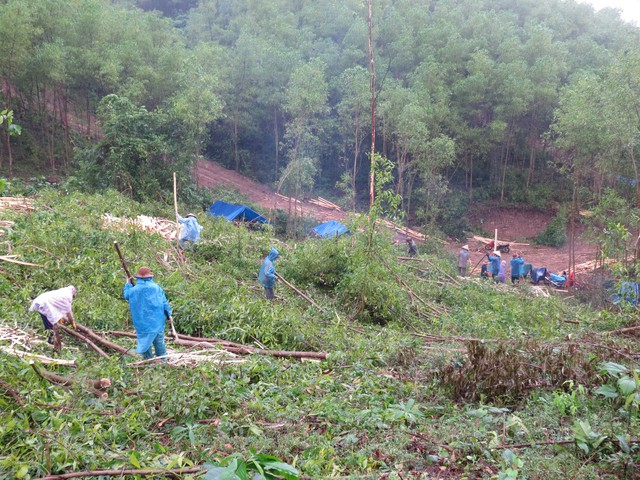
374, 404
587, 440
555, 235
256, 467
136, 155
452, 218
625, 388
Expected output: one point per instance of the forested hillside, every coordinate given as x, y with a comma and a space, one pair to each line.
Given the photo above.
291, 357
476, 99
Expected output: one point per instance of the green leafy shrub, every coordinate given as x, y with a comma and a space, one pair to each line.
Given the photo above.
555, 235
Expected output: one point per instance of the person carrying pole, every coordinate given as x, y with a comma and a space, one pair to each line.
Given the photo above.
267, 275
54, 308
149, 310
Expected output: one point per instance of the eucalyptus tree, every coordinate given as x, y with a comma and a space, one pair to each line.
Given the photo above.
353, 89
306, 105
197, 102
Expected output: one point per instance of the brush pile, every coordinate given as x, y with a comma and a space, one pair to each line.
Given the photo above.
166, 228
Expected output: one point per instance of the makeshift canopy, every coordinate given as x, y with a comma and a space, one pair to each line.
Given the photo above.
628, 294
330, 229
235, 212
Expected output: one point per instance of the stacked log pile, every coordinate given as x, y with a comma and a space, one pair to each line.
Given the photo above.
161, 226
16, 204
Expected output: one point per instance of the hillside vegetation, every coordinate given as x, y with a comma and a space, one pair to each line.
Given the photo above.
515, 101
404, 393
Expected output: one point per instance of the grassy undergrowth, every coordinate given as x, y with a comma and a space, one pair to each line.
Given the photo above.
389, 402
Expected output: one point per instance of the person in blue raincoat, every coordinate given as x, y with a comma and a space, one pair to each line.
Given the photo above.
267, 275
149, 311
494, 264
190, 231
516, 265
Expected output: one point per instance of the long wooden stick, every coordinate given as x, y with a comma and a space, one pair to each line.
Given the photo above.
303, 295
175, 195
249, 350
114, 346
124, 264
73, 333
120, 472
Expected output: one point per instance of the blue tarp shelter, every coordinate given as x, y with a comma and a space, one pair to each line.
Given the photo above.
628, 293
330, 229
235, 212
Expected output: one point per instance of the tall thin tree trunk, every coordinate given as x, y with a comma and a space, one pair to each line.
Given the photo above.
88, 115
236, 157
504, 167
276, 136
372, 72
356, 152
8, 137
532, 167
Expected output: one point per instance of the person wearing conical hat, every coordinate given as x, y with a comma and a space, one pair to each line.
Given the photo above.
149, 311
463, 260
494, 264
190, 232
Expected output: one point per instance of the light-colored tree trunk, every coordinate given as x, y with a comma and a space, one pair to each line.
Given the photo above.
372, 72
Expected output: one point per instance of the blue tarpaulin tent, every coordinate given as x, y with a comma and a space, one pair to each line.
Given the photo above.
235, 212
330, 229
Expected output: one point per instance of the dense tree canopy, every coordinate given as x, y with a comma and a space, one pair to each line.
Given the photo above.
278, 89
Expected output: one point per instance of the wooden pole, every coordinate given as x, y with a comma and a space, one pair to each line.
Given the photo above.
114, 346
495, 240
300, 293
124, 264
175, 195
73, 333
120, 472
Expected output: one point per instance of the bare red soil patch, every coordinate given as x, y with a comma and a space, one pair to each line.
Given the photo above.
211, 175
521, 225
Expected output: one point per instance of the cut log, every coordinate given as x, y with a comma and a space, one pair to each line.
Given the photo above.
73, 333
39, 358
11, 259
303, 295
67, 381
114, 346
489, 240
121, 472
244, 350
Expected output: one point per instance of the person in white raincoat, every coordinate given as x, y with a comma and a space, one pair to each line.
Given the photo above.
54, 308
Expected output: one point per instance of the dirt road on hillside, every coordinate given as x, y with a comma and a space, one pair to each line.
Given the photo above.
211, 175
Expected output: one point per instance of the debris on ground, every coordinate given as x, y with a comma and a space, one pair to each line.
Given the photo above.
161, 226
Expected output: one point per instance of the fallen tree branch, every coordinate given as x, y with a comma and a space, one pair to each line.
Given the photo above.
415, 259
10, 259
550, 442
622, 331
67, 381
437, 338
303, 295
245, 350
174, 473
114, 346
10, 392
75, 334
69, 409
40, 358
